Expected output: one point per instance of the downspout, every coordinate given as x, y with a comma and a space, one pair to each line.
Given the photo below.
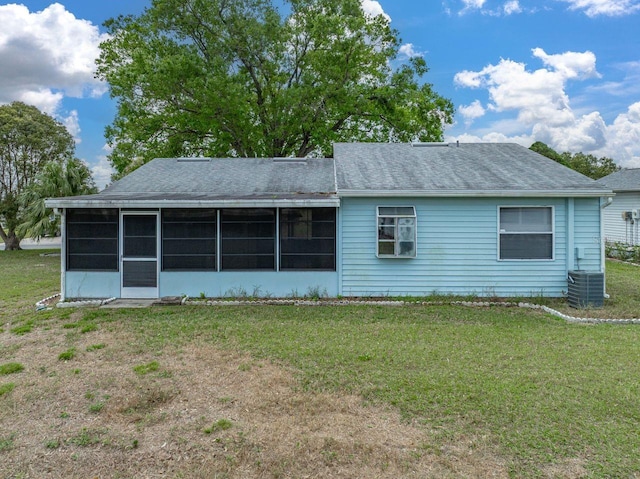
603, 205
571, 252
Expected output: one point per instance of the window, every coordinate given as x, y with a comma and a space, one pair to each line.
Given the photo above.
308, 238
189, 240
526, 233
92, 239
396, 232
248, 239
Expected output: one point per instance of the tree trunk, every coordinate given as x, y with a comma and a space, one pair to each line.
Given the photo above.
11, 242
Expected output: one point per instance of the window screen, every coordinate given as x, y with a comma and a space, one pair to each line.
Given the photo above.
248, 239
308, 239
92, 239
189, 240
526, 233
396, 232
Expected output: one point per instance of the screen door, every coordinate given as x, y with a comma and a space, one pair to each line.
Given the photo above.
139, 260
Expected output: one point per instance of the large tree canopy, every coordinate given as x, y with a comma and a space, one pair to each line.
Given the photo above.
241, 78
588, 165
28, 140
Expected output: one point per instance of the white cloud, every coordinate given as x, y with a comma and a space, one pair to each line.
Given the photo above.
624, 138
373, 8
543, 111
47, 55
472, 111
537, 96
409, 51
570, 64
473, 4
512, 7
103, 170
611, 8
505, 8
72, 123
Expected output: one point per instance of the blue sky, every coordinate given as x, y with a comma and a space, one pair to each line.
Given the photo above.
565, 72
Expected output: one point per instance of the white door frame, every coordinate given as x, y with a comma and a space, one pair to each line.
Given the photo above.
146, 291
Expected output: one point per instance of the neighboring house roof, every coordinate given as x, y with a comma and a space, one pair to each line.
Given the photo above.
357, 169
441, 169
622, 180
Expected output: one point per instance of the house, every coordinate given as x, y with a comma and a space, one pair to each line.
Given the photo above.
622, 217
374, 220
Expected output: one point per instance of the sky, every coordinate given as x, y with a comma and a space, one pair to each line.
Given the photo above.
564, 72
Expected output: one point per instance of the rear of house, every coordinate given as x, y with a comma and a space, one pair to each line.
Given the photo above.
374, 220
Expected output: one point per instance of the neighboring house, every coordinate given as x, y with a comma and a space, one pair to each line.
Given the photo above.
374, 220
621, 219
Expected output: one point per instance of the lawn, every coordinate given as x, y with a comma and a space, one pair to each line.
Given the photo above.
497, 391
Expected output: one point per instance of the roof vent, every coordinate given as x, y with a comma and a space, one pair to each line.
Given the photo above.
193, 160
428, 145
290, 160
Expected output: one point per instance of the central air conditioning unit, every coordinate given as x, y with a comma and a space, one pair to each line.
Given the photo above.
586, 289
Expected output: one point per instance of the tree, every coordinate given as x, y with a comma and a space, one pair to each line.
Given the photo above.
238, 78
28, 140
69, 178
588, 165
547, 151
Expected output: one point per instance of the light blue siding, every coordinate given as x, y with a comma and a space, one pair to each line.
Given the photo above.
215, 284
458, 249
587, 233
252, 283
89, 284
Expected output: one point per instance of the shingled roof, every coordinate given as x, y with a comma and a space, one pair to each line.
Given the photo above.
442, 169
357, 169
622, 180
193, 182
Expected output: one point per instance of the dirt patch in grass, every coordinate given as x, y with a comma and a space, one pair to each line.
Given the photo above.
201, 413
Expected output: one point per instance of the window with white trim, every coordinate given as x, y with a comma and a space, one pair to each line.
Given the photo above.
396, 232
526, 233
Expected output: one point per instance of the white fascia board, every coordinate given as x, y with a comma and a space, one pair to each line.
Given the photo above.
475, 193
231, 203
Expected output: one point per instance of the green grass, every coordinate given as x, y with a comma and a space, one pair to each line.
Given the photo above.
219, 425
10, 368
533, 389
27, 278
6, 388
6, 443
67, 355
539, 389
96, 347
143, 369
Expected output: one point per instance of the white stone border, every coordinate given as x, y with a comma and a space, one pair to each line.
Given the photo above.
42, 304
84, 304
344, 302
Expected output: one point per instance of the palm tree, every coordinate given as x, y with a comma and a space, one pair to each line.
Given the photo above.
54, 180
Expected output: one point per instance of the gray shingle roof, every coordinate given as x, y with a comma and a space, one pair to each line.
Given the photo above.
357, 169
450, 169
221, 178
623, 180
